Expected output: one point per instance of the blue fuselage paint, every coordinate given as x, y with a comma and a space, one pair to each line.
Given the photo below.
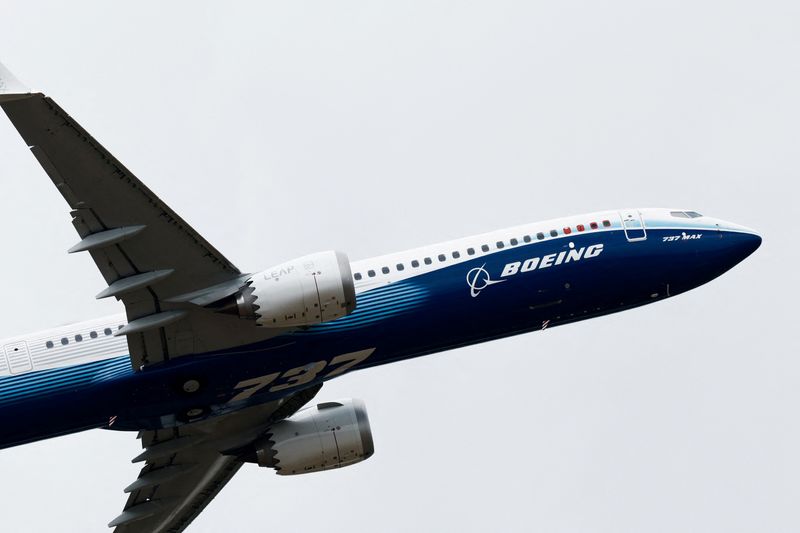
419, 315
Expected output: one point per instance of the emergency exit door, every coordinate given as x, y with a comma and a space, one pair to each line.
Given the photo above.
18, 357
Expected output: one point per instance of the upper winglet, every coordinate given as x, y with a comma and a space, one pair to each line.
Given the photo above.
10, 86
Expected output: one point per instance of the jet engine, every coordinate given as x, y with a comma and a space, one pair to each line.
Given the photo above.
302, 292
321, 437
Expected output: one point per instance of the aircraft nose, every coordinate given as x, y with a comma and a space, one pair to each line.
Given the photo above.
739, 242
714, 253
750, 243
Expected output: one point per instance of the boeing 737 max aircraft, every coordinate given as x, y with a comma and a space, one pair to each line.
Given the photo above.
213, 366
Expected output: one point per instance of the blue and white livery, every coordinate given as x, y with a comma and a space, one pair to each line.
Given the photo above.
213, 367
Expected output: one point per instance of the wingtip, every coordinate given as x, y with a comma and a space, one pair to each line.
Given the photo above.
10, 86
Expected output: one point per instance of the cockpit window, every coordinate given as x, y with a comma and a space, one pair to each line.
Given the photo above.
685, 214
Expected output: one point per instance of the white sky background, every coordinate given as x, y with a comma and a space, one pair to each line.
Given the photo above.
283, 128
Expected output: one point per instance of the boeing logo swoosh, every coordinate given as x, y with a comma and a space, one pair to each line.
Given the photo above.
478, 279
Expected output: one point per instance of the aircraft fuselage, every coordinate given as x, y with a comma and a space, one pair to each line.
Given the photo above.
409, 304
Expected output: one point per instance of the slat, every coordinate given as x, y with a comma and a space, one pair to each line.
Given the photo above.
149, 322
132, 283
159, 476
106, 238
164, 449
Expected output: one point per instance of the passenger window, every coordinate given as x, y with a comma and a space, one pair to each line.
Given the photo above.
500, 245
107, 331
456, 255
581, 227
400, 266
470, 251
567, 231
385, 270
427, 261
78, 338
64, 341
49, 344
93, 334
371, 273
485, 247
442, 258
514, 242
358, 276
606, 224
553, 233
540, 236
415, 263
527, 238
593, 225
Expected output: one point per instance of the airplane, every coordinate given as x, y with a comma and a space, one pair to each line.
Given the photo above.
214, 367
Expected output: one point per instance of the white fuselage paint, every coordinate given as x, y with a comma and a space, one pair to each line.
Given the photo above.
92, 340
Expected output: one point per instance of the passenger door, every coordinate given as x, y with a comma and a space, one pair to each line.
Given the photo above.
633, 225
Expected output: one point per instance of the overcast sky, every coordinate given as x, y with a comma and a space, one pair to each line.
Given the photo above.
279, 129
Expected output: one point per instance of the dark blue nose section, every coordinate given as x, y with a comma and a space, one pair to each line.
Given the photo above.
727, 251
742, 245
709, 257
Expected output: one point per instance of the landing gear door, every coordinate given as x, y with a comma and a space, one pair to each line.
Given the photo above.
18, 357
633, 225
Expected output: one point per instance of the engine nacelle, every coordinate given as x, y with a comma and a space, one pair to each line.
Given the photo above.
302, 292
321, 437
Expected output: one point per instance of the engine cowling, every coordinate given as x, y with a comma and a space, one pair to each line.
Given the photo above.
302, 292
321, 437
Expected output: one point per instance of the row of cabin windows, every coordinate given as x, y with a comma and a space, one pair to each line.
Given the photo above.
79, 338
484, 248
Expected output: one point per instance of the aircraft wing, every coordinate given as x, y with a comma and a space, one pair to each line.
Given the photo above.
185, 467
151, 259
